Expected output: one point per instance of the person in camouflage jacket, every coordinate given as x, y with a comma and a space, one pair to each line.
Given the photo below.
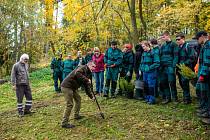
168, 61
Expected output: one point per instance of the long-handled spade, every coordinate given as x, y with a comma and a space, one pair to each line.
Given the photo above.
99, 108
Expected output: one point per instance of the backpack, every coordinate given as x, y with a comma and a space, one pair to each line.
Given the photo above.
195, 54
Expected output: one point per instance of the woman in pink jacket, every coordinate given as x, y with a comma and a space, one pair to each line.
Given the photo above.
98, 59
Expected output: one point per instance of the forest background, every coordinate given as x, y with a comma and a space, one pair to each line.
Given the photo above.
43, 27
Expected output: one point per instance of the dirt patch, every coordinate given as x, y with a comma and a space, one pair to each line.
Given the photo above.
37, 104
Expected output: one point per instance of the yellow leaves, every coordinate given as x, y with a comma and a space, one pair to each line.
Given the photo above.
49, 8
207, 27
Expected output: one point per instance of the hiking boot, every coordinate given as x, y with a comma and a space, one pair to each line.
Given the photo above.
176, 102
78, 117
186, 102
28, 112
203, 115
119, 92
166, 101
67, 126
201, 110
113, 95
20, 114
57, 91
105, 95
205, 120
139, 98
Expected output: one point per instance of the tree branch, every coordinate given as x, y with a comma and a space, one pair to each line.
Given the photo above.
128, 30
129, 5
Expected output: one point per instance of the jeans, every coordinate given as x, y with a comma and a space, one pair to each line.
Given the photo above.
99, 78
150, 82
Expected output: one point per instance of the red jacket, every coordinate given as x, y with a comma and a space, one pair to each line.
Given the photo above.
99, 61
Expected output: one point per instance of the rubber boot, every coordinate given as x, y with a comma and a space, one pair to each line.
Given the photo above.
106, 88
138, 94
113, 88
173, 90
151, 95
167, 95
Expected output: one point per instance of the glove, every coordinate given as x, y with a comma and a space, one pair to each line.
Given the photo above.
89, 81
146, 69
140, 73
52, 71
201, 78
128, 73
196, 68
112, 65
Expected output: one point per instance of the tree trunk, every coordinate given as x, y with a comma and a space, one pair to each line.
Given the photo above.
96, 24
142, 19
16, 42
132, 8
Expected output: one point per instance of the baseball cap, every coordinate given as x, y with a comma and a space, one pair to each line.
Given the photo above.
200, 33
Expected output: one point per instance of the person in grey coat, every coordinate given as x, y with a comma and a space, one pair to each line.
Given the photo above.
20, 83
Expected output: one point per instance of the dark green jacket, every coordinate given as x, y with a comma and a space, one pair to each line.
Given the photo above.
128, 61
56, 65
68, 65
77, 60
187, 55
169, 54
204, 60
113, 56
150, 61
88, 58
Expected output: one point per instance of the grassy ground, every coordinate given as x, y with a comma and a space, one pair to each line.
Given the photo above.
125, 118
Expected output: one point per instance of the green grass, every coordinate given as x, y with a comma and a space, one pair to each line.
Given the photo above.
125, 118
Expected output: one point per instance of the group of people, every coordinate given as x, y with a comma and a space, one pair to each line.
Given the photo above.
154, 62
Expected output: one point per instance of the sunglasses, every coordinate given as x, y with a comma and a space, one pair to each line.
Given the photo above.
178, 39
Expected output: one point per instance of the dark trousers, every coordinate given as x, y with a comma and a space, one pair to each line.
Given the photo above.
57, 76
202, 92
107, 86
21, 91
184, 83
168, 83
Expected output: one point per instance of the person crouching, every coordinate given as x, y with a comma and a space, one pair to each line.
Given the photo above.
80, 76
